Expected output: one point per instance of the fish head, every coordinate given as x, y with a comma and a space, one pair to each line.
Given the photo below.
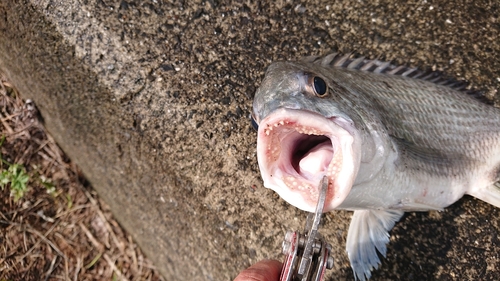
304, 134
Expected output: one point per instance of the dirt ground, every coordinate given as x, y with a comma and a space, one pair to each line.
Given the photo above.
59, 229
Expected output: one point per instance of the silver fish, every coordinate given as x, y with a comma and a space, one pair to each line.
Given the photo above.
390, 138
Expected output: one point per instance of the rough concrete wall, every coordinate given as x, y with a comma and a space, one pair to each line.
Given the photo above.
151, 99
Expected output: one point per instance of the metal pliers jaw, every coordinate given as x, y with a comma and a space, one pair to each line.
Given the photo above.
307, 254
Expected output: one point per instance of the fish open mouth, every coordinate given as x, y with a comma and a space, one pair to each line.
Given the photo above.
310, 154
296, 148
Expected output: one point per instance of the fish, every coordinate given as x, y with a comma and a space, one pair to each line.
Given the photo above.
391, 139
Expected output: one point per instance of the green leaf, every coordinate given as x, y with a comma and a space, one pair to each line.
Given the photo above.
70, 201
18, 180
4, 178
49, 186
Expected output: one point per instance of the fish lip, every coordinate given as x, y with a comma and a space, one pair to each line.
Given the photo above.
277, 170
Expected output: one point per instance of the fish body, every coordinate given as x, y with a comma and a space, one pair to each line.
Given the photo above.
390, 138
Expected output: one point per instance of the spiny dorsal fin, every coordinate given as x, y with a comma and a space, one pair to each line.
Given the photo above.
377, 66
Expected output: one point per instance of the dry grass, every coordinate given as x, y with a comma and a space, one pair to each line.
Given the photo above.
66, 233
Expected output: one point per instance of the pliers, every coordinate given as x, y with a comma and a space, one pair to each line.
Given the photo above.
308, 255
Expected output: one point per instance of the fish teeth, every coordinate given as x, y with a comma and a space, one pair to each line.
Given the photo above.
292, 182
308, 131
300, 129
304, 187
335, 164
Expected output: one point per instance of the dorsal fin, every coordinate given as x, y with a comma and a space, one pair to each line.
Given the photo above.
377, 66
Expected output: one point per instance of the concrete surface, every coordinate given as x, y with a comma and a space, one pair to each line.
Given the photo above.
151, 99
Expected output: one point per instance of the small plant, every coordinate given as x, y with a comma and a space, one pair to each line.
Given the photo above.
70, 201
17, 177
49, 186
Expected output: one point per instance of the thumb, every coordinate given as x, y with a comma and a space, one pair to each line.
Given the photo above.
265, 270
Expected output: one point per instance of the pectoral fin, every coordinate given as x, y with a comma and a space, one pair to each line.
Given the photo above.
369, 233
489, 194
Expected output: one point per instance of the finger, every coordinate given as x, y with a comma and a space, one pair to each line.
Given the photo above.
265, 270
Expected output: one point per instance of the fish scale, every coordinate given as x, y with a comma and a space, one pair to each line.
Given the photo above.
469, 116
410, 141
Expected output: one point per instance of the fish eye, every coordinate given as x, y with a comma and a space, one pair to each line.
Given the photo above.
254, 123
319, 86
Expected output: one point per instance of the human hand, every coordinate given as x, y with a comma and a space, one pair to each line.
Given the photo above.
264, 270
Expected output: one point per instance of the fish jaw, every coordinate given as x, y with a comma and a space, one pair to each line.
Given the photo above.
296, 148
